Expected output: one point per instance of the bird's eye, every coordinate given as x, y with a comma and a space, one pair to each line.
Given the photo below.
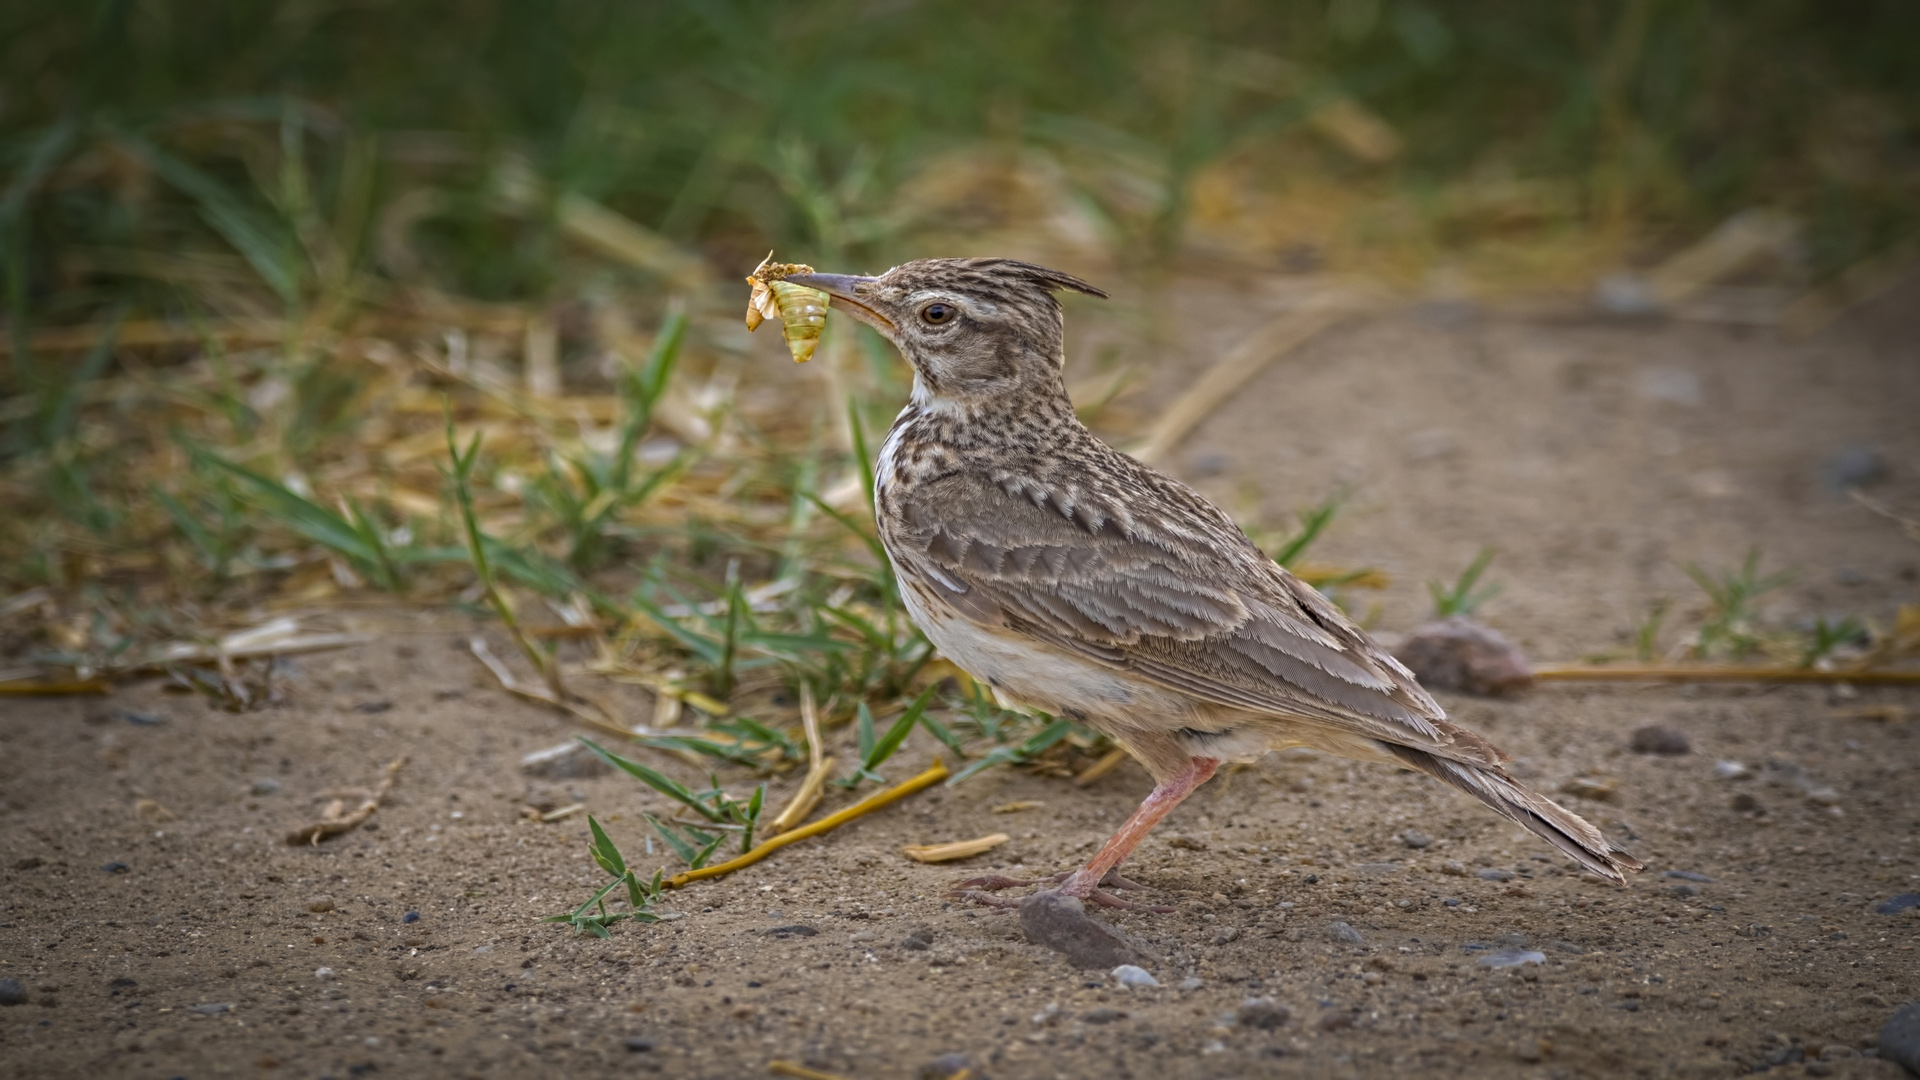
939, 313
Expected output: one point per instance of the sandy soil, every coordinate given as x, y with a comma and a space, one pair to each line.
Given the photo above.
183, 938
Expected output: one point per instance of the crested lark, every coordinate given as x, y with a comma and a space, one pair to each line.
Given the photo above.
1075, 580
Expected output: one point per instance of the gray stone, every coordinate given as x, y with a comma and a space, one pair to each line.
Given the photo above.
947, 1065
637, 1044
1506, 958
213, 1008
1342, 931
1899, 904
1103, 1015
1493, 873
1856, 466
12, 993
1062, 924
264, 785
1263, 1013
1415, 839
1131, 976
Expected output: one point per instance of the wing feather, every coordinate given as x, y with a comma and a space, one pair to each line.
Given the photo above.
1224, 624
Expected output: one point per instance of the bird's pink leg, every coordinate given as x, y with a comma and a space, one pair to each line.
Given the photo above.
1168, 794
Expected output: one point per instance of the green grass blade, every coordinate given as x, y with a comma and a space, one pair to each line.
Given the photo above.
296, 511
687, 852
884, 748
659, 782
603, 850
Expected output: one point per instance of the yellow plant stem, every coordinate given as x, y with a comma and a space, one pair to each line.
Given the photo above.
800, 1072
934, 774
1683, 673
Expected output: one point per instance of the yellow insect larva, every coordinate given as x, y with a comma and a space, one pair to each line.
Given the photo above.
802, 311
803, 314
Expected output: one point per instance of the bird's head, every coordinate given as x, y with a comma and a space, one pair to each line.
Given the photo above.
971, 328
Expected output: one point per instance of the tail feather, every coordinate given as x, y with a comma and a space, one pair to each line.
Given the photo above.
1554, 823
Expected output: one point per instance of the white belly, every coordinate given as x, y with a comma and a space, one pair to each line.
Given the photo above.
1030, 675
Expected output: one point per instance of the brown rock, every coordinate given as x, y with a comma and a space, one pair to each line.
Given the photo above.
1654, 739
1463, 655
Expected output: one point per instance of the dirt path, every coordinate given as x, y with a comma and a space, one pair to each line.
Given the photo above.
184, 939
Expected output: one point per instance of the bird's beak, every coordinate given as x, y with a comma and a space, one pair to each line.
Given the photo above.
846, 290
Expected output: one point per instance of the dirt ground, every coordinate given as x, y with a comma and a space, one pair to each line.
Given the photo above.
184, 938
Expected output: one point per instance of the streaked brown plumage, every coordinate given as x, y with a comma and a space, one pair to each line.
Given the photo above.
1073, 579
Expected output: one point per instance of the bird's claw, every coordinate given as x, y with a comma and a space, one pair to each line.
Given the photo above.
985, 898
981, 890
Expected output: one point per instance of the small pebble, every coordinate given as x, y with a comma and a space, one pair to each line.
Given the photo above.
410, 917
1493, 873
1103, 1016
264, 785
1192, 983
213, 1008
1730, 770
116, 868
1744, 803
1262, 1012
1510, 957
918, 939
1131, 976
1597, 788
1687, 875
793, 930
637, 1045
1654, 739
320, 904
1899, 904
1625, 294
12, 993
1415, 839
1454, 868
323, 974
1685, 890
947, 1065
1343, 931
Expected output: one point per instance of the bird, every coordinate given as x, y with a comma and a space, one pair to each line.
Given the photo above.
1077, 581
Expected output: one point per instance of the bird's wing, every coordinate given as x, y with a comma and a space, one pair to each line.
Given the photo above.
1181, 598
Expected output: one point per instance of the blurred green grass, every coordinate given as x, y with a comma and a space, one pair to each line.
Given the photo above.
130, 127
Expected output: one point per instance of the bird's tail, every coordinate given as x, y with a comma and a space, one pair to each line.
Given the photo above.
1554, 823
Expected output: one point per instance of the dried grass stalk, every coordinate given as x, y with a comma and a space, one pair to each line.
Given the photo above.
957, 849
337, 819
